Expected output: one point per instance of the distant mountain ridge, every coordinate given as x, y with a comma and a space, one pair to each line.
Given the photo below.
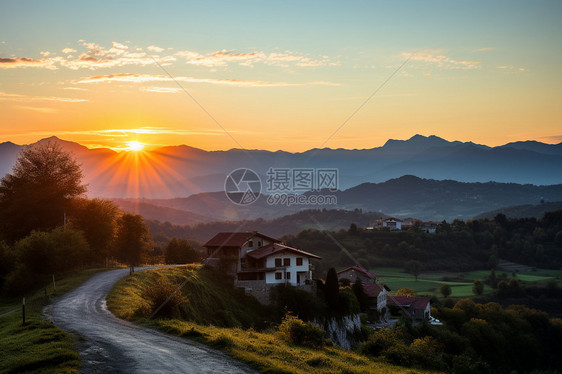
179, 171
403, 197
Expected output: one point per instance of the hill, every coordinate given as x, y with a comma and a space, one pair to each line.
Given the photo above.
179, 171
292, 224
523, 211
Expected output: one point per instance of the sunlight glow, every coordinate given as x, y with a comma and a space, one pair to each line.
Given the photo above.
135, 146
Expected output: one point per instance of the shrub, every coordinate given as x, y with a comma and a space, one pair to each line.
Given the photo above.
295, 331
164, 298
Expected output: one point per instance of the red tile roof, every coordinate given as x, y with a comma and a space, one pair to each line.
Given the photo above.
274, 248
234, 239
374, 289
360, 270
408, 301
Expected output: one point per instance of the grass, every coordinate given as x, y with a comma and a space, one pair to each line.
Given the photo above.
264, 350
428, 283
38, 346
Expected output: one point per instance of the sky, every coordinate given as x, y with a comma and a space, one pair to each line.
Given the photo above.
280, 75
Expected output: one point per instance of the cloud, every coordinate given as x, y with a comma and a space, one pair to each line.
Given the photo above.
95, 56
27, 62
435, 56
161, 89
37, 109
510, 68
145, 78
153, 48
24, 98
485, 49
225, 57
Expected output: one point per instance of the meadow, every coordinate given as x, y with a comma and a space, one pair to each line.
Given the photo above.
428, 283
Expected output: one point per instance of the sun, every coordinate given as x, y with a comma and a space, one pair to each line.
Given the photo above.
135, 146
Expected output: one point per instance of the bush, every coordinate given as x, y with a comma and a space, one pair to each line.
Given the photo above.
295, 331
164, 298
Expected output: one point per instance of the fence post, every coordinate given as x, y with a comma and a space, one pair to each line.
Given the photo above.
54, 284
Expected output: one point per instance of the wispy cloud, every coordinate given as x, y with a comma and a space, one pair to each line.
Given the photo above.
511, 68
250, 59
161, 89
435, 57
145, 78
25, 98
37, 109
485, 49
27, 62
153, 48
95, 56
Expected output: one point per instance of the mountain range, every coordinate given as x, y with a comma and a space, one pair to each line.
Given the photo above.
180, 171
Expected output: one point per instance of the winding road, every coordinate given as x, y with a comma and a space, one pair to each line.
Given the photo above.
108, 344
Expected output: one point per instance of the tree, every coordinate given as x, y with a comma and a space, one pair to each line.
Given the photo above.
360, 294
445, 290
97, 219
478, 287
43, 183
413, 267
405, 292
332, 289
133, 239
180, 251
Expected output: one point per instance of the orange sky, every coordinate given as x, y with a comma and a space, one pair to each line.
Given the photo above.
269, 77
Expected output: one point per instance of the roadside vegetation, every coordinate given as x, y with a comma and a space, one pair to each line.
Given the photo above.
475, 338
38, 346
214, 313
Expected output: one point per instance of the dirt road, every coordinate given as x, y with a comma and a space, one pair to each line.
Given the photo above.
108, 344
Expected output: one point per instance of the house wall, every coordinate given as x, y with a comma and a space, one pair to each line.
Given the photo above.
257, 242
381, 300
292, 269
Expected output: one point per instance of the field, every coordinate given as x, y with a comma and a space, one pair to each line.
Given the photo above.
461, 283
265, 350
38, 346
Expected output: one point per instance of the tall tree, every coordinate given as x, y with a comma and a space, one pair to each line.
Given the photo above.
43, 183
478, 287
413, 267
445, 290
332, 289
180, 251
133, 239
360, 294
97, 219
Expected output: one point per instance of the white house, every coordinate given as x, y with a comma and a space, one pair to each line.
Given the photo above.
258, 262
392, 223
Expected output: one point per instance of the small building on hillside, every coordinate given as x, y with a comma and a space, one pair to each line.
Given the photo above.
377, 292
409, 306
354, 272
392, 223
258, 262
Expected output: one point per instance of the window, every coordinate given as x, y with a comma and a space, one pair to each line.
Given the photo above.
277, 262
286, 262
259, 244
278, 275
251, 243
299, 261
288, 275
